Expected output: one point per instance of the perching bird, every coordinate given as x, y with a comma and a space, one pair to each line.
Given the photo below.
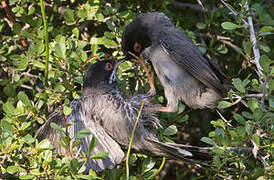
110, 117
184, 72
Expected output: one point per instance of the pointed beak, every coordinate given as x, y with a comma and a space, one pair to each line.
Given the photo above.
118, 62
113, 76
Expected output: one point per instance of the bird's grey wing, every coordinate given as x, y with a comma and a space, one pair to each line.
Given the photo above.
81, 119
183, 51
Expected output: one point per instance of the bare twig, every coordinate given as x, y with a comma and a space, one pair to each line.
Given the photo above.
254, 95
254, 42
29, 75
233, 12
205, 164
8, 13
223, 118
201, 4
227, 41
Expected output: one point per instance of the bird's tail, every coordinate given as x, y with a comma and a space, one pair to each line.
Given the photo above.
179, 151
168, 150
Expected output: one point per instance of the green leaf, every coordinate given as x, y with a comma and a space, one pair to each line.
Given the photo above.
249, 128
147, 165
182, 119
29, 139
87, 177
20, 107
67, 110
266, 29
217, 150
44, 144
75, 32
207, 140
265, 62
81, 13
69, 17
74, 165
92, 144
12, 169
101, 155
256, 139
55, 126
247, 47
264, 47
229, 26
82, 133
247, 115
238, 84
271, 85
239, 118
218, 123
25, 126
24, 98
201, 25
60, 50
181, 108
224, 104
23, 63
27, 176
8, 108
48, 155
38, 64
253, 104
170, 130
271, 103
36, 49
108, 43
76, 143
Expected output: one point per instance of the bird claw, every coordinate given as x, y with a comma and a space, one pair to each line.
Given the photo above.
151, 92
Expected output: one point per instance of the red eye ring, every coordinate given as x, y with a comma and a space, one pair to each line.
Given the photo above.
108, 66
137, 47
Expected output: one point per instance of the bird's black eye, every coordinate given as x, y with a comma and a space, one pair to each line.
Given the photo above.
137, 47
108, 66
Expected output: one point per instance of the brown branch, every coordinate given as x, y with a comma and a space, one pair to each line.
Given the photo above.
11, 20
8, 13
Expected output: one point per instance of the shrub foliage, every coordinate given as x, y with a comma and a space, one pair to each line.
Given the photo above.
82, 32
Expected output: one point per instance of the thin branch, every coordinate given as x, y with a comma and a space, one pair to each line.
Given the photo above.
254, 95
213, 168
223, 118
254, 42
233, 12
29, 75
8, 13
227, 41
201, 5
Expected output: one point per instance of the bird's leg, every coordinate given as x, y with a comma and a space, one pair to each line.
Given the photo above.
141, 61
166, 109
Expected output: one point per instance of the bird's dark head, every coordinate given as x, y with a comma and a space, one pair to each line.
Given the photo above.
135, 38
139, 34
100, 75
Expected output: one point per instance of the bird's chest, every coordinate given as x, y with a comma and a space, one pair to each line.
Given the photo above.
169, 72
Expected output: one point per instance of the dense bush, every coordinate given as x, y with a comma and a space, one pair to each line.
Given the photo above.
80, 33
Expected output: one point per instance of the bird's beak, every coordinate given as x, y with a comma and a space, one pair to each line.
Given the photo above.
118, 62
113, 76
